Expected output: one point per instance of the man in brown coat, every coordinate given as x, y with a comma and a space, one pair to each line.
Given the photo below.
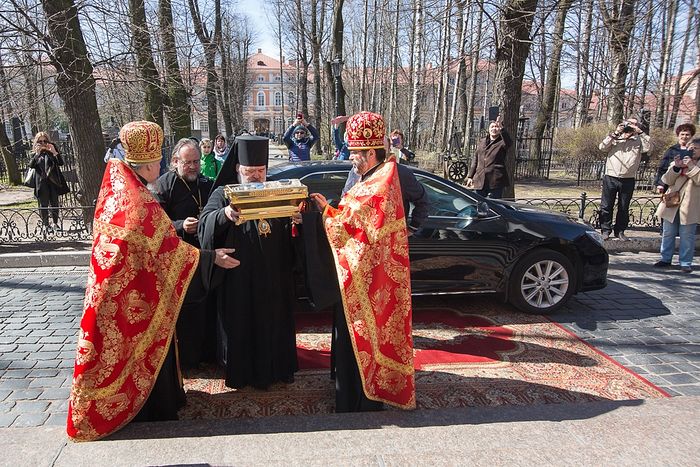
487, 171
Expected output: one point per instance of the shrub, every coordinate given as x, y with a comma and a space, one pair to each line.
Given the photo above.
581, 144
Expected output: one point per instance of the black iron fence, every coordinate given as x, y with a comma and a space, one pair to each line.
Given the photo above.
589, 173
25, 226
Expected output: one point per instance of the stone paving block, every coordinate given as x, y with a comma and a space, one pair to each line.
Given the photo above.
681, 378
30, 419
4, 393
31, 406
51, 347
55, 394
45, 355
6, 406
21, 364
7, 418
58, 405
14, 383
55, 382
687, 368
14, 374
57, 419
24, 394
28, 339
6, 340
43, 373
688, 390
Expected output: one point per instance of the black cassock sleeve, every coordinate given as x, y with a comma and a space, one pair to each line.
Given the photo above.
319, 269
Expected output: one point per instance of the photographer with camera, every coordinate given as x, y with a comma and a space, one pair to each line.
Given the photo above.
49, 182
300, 138
679, 209
625, 146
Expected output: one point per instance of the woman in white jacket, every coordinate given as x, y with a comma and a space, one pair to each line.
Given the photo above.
682, 176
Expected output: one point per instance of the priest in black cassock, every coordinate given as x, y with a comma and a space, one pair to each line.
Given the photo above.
182, 193
257, 341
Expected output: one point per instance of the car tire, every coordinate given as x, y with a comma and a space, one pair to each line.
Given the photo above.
542, 282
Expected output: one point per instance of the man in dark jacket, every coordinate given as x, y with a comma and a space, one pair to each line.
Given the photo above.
487, 171
183, 193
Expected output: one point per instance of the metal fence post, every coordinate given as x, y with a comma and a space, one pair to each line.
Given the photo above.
582, 209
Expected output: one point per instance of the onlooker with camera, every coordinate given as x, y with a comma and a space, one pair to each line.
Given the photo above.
680, 213
397, 143
300, 138
625, 146
685, 133
487, 171
49, 182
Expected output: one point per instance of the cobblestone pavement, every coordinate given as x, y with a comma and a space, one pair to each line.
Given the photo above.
645, 319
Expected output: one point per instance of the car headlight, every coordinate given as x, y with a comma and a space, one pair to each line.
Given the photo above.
595, 236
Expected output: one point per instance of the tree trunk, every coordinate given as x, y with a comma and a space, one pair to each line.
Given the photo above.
210, 43
316, 62
76, 87
619, 23
459, 76
512, 50
224, 92
679, 90
13, 174
551, 87
177, 107
141, 43
303, 61
392, 123
581, 113
474, 70
336, 51
666, 56
417, 67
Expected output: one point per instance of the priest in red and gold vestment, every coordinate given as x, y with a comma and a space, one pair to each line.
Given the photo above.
140, 273
367, 233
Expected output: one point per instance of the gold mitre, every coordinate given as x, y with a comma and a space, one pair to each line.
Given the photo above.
142, 142
266, 200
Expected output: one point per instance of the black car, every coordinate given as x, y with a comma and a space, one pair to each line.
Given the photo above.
536, 259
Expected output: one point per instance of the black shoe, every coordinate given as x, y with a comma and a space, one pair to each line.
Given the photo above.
622, 237
606, 235
686, 269
662, 264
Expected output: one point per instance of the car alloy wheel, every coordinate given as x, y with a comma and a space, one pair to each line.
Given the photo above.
542, 282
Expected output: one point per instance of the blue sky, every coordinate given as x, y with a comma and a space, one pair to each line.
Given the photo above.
256, 12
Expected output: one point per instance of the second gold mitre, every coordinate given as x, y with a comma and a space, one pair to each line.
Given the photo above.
266, 200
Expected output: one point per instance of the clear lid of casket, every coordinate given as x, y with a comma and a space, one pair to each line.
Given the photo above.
276, 190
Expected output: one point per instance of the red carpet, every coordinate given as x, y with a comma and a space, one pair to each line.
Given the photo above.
481, 353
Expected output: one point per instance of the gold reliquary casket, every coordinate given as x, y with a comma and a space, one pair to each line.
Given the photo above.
266, 200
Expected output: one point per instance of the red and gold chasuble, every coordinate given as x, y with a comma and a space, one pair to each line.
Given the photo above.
367, 234
139, 273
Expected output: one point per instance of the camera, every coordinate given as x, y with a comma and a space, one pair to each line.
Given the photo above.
300, 116
626, 128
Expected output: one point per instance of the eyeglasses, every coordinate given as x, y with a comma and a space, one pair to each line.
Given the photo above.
193, 163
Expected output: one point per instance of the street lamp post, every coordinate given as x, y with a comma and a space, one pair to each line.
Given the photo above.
337, 69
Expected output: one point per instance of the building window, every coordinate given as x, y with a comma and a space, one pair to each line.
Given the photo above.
278, 98
277, 78
204, 126
278, 125
261, 78
261, 99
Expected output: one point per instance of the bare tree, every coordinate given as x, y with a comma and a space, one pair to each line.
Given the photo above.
619, 20
512, 50
141, 40
178, 107
76, 86
210, 41
551, 88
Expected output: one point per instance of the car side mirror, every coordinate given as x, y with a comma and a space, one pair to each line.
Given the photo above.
482, 209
